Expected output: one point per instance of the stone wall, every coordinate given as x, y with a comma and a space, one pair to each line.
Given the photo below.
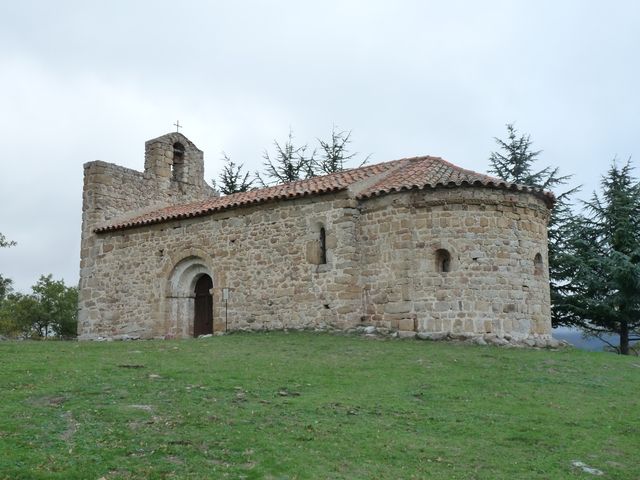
381, 266
111, 191
267, 256
492, 237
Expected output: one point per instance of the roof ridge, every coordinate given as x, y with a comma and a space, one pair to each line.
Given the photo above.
356, 188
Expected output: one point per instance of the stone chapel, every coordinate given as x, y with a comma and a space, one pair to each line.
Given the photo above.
415, 245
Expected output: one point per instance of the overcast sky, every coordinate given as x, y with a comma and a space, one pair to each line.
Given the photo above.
92, 80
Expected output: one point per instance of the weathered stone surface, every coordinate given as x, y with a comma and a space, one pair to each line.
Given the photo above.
435, 336
406, 324
398, 307
541, 342
494, 340
553, 343
406, 334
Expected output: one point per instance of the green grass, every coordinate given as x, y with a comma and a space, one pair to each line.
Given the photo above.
299, 405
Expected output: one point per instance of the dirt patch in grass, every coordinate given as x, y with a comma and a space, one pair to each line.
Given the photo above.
72, 427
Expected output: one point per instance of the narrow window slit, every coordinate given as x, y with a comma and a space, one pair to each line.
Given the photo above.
323, 246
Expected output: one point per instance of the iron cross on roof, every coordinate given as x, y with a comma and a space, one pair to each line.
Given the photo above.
178, 126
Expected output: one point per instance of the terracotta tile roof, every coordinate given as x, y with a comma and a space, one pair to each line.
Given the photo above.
433, 172
313, 186
388, 177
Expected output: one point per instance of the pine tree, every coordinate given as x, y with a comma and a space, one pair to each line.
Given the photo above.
602, 261
232, 179
4, 243
290, 163
334, 153
515, 163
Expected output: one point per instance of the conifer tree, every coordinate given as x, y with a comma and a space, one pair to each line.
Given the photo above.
334, 154
4, 243
288, 164
514, 163
601, 260
233, 179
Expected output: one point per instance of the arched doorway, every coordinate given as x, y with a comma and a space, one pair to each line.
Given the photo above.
203, 307
189, 303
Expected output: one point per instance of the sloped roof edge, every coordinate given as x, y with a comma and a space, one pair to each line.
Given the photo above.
416, 173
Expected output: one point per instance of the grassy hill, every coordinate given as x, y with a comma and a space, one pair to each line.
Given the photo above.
300, 405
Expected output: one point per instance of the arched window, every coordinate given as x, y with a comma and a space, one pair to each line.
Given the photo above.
322, 241
443, 260
538, 266
177, 167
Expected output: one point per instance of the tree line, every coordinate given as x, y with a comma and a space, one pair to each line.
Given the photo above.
50, 310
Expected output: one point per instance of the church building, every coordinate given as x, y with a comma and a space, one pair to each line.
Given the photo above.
415, 245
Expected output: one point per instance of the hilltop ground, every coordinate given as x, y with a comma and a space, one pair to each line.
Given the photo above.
301, 405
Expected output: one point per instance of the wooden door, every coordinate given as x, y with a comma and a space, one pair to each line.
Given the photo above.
203, 315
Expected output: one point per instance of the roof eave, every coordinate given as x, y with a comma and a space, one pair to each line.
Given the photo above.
547, 197
126, 225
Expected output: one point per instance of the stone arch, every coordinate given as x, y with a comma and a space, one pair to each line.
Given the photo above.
181, 294
443, 260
